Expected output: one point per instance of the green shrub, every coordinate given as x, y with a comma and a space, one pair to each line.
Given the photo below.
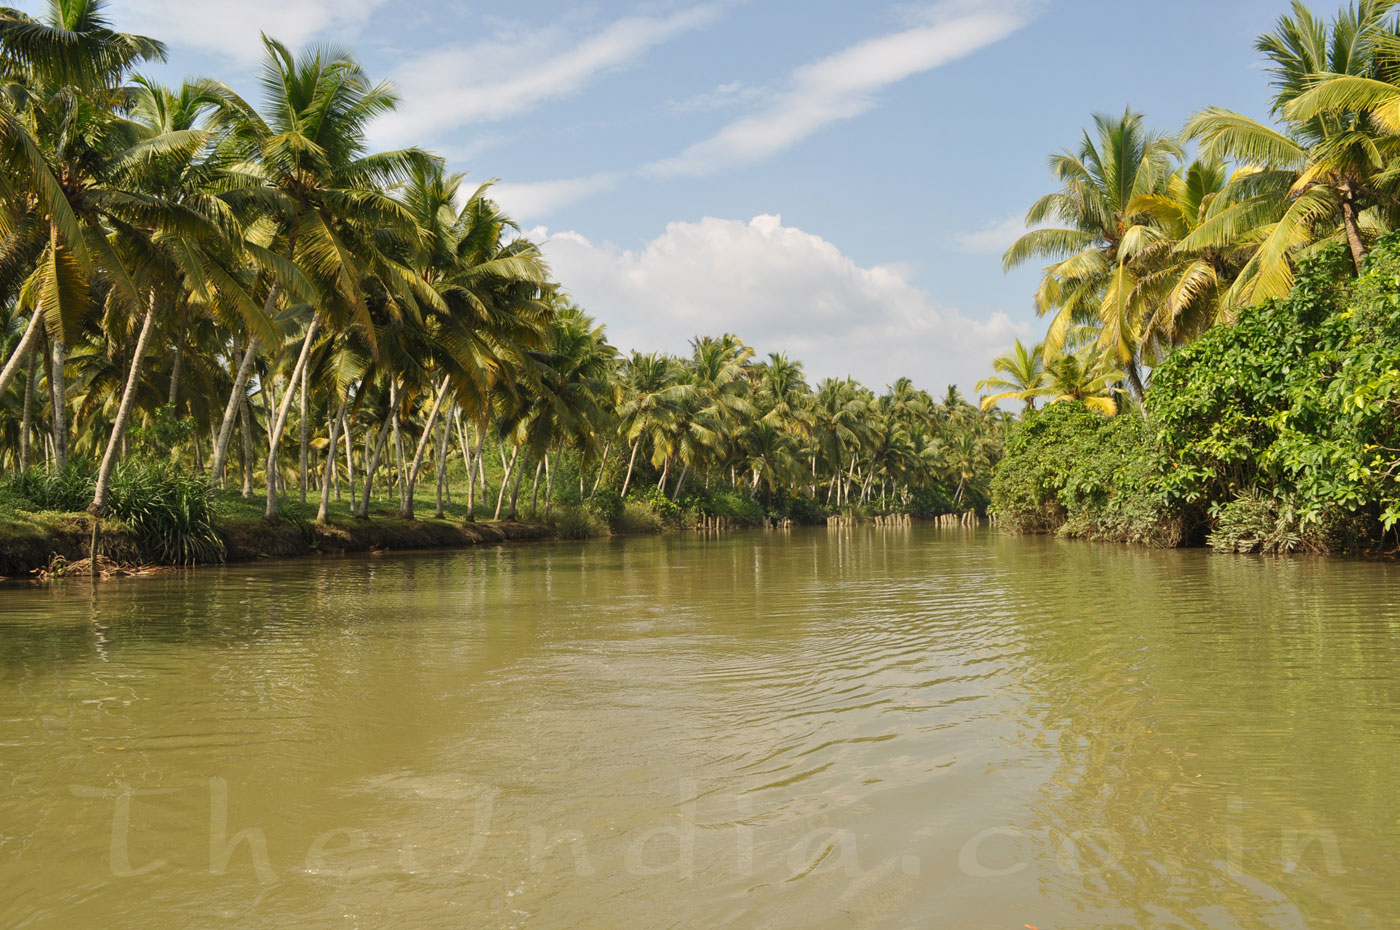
638, 518
606, 505
1253, 522
68, 490
574, 522
169, 510
737, 507
1072, 470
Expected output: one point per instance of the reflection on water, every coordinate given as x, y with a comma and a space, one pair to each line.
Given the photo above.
859, 728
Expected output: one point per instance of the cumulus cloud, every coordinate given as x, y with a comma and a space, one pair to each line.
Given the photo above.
782, 290
841, 86
449, 86
992, 239
233, 29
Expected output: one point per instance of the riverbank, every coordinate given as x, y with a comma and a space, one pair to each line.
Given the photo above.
36, 543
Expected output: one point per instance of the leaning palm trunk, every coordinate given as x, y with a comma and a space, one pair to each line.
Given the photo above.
535, 488
1351, 220
240, 390
411, 480
109, 459
675, 495
371, 464
274, 436
323, 514
627, 482
515, 493
21, 354
505, 480
60, 414
602, 466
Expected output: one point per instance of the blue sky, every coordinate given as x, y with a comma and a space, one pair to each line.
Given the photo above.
835, 180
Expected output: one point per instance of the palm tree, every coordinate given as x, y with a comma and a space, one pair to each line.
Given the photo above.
1092, 278
304, 163
1323, 175
1024, 377
1085, 377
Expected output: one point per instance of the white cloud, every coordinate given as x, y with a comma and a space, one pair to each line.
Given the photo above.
994, 238
447, 87
535, 200
233, 29
782, 290
840, 86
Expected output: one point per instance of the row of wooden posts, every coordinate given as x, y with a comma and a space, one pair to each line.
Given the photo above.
725, 524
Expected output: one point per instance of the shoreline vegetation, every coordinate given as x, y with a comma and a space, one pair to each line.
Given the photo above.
221, 313
1222, 361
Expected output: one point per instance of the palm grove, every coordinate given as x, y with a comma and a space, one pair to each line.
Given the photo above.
196, 284
1238, 306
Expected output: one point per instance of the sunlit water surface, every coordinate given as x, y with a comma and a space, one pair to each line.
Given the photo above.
880, 728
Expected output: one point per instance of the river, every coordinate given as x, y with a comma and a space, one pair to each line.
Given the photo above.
882, 728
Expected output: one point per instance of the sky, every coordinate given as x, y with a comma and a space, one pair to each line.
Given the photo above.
832, 180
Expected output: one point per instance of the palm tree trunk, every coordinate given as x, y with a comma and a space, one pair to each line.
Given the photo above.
109, 458
602, 466
471, 475
245, 416
1352, 221
550, 468
371, 464
275, 429
505, 478
444, 450
323, 514
515, 493
406, 510
349, 459
1135, 379
627, 482
22, 351
58, 390
240, 390
305, 428
675, 495
665, 473
26, 427
535, 488
178, 364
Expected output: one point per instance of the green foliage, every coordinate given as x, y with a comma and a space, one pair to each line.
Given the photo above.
1073, 470
574, 522
738, 508
638, 519
1301, 400
68, 489
168, 510
606, 505
164, 431
1253, 522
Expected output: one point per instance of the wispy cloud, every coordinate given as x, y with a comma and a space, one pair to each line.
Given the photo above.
532, 201
842, 86
233, 29
516, 70
992, 239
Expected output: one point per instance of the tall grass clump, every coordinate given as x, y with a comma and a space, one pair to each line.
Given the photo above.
574, 522
169, 510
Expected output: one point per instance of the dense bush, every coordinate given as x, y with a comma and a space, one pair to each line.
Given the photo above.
571, 521
1072, 470
1277, 432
